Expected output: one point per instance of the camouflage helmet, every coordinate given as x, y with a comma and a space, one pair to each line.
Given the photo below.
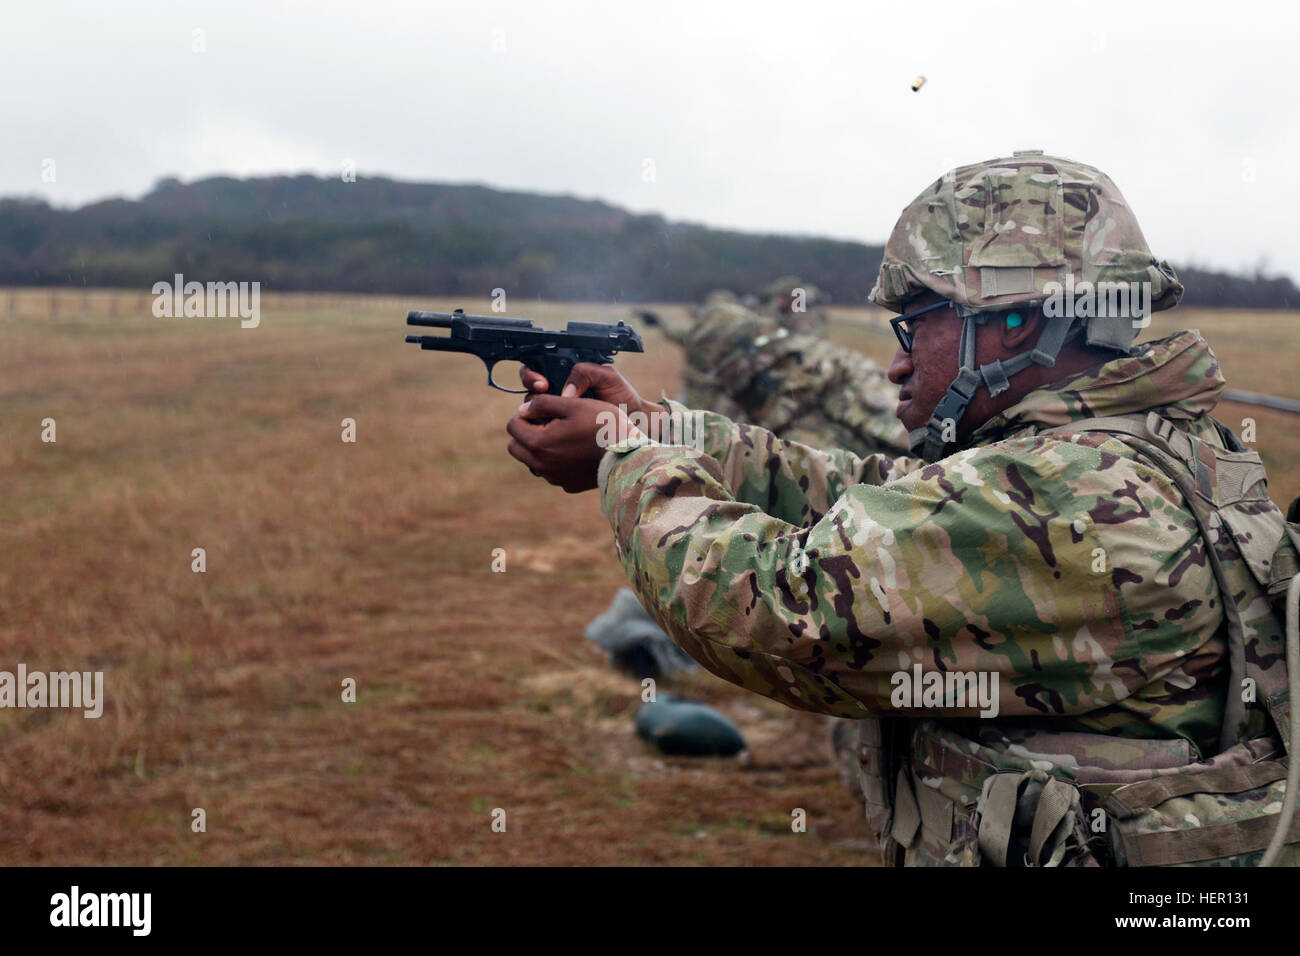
1022, 232
994, 235
787, 286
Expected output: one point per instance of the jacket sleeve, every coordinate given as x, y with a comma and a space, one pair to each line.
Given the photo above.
779, 570
787, 480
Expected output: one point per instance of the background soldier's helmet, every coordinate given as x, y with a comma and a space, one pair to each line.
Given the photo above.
718, 296
786, 285
992, 235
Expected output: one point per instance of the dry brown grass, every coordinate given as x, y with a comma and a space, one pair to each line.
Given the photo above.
328, 560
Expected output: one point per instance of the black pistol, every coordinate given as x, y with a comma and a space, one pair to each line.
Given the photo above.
551, 353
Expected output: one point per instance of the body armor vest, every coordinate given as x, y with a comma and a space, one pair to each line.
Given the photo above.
970, 793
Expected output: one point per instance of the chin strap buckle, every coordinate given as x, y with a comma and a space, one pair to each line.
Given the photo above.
949, 412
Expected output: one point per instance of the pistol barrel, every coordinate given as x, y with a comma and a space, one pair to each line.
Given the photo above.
436, 320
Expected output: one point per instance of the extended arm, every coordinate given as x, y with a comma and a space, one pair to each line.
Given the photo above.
956, 567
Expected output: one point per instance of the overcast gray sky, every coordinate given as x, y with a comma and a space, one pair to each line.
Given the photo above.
784, 117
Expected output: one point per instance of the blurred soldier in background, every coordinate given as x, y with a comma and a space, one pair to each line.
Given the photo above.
793, 304
753, 369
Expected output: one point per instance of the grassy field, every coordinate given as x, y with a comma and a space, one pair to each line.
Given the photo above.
372, 561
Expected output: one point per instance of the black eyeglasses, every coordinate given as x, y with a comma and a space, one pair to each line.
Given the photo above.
904, 331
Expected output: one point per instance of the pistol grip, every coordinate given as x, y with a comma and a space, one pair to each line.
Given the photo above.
556, 368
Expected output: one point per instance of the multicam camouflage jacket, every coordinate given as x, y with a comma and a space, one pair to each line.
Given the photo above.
750, 368
1064, 566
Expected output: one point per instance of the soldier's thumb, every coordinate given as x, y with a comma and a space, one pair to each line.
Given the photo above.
585, 376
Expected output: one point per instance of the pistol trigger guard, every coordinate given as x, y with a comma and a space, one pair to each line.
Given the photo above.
501, 388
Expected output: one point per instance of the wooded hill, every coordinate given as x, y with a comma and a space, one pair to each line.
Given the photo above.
381, 235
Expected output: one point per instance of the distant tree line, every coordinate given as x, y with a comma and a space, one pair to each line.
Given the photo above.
380, 235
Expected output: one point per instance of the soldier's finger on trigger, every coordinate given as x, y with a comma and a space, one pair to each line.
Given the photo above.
533, 381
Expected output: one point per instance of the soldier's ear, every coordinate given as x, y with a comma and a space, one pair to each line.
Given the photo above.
1019, 329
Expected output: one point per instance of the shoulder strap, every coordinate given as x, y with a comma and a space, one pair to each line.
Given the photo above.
1286, 560
1212, 480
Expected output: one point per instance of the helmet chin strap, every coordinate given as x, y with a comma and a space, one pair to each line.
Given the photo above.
928, 441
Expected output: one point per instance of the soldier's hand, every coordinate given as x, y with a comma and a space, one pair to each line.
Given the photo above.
557, 437
603, 381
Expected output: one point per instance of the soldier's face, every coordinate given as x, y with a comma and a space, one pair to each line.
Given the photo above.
923, 376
